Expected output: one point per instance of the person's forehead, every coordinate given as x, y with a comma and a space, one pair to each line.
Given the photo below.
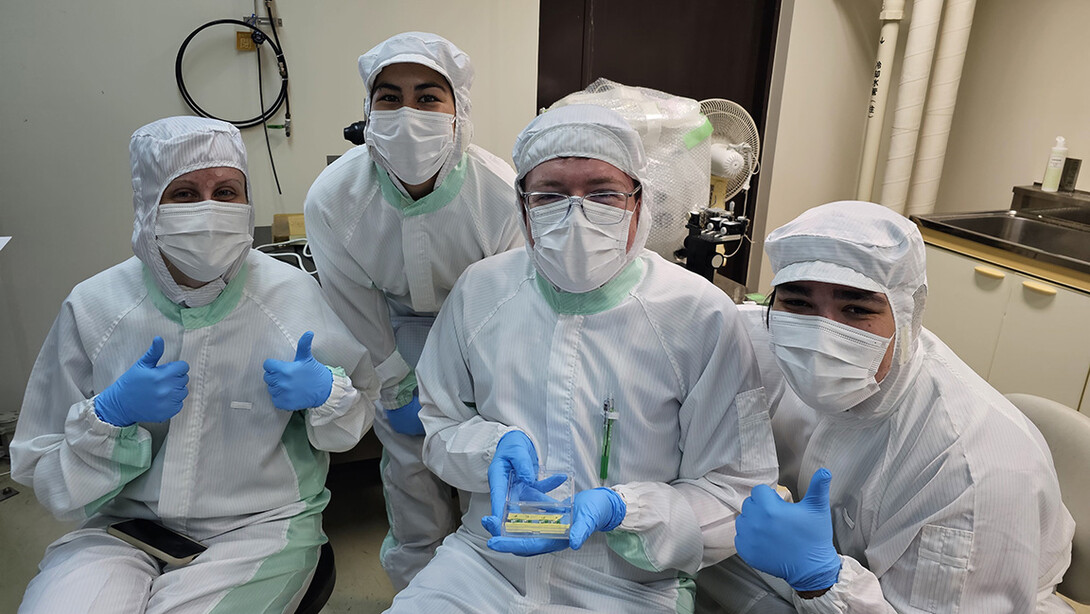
214, 173
576, 168
412, 73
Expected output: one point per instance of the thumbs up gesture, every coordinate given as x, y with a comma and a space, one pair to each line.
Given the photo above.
300, 384
793, 541
147, 392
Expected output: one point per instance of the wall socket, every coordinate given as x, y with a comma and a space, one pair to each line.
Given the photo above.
244, 42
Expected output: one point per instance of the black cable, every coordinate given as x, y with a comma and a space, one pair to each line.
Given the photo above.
259, 37
282, 66
265, 125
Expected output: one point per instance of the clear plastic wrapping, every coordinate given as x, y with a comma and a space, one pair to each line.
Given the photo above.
675, 139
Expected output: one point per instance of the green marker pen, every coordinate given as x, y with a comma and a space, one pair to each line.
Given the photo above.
608, 417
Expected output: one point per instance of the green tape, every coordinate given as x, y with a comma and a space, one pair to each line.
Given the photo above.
697, 135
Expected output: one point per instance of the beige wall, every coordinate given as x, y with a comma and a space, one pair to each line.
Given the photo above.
1026, 81
824, 59
79, 77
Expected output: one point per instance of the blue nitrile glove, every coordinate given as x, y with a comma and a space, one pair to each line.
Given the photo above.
300, 384
597, 509
406, 419
793, 541
515, 454
146, 392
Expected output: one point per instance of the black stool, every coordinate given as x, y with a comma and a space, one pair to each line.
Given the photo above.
321, 585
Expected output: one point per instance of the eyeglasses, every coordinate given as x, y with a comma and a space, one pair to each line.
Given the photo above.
601, 208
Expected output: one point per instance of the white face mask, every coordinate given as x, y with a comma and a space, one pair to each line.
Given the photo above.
830, 366
203, 239
577, 255
413, 143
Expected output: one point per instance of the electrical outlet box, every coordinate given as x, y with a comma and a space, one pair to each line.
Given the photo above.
244, 42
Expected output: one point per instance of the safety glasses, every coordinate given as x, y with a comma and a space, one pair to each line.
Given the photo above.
602, 208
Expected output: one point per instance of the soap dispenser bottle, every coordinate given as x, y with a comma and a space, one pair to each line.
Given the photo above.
1055, 166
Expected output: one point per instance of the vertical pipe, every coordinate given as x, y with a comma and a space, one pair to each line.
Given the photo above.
942, 95
891, 15
908, 111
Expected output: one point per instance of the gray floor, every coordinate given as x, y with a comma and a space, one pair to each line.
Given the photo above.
355, 522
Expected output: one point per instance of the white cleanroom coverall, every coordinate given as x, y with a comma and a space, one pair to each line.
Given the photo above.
510, 351
691, 441
944, 497
230, 469
387, 263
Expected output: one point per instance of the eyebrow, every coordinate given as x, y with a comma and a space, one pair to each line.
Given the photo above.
793, 289
418, 87
843, 294
864, 296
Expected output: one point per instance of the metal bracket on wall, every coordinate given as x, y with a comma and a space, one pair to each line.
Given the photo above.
263, 21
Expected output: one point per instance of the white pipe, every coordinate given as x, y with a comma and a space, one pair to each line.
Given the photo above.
942, 95
892, 13
908, 111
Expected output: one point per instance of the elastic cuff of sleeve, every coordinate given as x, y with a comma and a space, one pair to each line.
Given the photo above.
619, 509
405, 389
396, 397
99, 426
392, 370
342, 386
631, 507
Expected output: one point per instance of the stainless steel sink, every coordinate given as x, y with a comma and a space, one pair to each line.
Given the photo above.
1078, 216
1035, 237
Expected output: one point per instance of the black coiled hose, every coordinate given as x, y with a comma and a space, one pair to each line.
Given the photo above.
259, 37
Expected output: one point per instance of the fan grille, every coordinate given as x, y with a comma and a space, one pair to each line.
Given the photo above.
734, 127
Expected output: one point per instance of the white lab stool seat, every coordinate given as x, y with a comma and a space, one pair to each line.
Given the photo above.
1068, 435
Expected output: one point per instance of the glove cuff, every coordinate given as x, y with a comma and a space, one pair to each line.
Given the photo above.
101, 402
820, 580
510, 436
618, 508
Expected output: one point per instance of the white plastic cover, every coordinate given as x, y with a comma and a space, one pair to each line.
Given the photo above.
674, 134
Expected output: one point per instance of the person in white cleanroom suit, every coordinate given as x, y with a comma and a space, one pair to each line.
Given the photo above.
924, 489
392, 224
180, 386
528, 349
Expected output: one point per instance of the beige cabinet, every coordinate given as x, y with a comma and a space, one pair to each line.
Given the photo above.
1018, 332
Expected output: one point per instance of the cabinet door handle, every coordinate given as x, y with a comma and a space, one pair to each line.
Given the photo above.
1039, 287
989, 272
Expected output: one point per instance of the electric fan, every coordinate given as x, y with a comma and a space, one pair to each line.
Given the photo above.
735, 148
